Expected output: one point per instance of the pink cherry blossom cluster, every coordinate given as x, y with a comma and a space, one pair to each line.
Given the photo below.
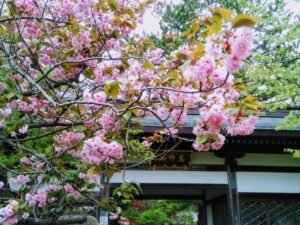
179, 115
40, 198
87, 177
113, 216
106, 121
7, 213
97, 151
97, 98
33, 162
209, 130
70, 189
20, 180
31, 105
54, 187
6, 112
66, 138
240, 44
155, 56
78, 69
243, 126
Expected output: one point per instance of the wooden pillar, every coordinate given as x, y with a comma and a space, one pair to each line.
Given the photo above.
234, 215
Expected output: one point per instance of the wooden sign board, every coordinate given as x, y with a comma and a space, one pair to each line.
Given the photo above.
172, 160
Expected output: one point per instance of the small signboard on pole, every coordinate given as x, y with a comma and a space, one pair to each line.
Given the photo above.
104, 218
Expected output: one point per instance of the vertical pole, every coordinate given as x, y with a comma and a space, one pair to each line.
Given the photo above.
103, 194
204, 208
232, 195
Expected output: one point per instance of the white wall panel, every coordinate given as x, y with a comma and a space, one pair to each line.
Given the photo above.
259, 182
169, 177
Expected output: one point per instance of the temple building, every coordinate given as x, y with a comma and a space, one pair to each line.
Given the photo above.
250, 181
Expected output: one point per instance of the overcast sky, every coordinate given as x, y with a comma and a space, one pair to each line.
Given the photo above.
151, 23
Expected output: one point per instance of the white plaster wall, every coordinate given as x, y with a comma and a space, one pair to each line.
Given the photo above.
171, 177
259, 182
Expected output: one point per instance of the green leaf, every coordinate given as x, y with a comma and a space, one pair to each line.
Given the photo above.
93, 170
10, 95
88, 73
239, 86
194, 29
112, 4
185, 33
201, 139
147, 65
213, 29
224, 13
251, 100
127, 195
112, 89
243, 20
215, 25
147, 42
124, 186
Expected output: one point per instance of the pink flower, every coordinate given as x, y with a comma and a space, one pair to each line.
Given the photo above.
59, 73
53, 187
25, 216
7, 213
69, 188
26, 161
178, 116
6, 112
106, 121
242, 43
2, 86
86, 177
20, 180
113, 216
97, 97
99, 79
244, 127
219, 143
24, 129
234, 63
213, 117
218, 76
2, 123
7, 216
66, 138
201, 147
44, 60
205, 65
97, 151
40, 177
27, 61
147, 144
9, 221
40, 198
163, 113
39, 165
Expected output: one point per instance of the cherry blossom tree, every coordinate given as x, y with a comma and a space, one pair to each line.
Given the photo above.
76, 82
